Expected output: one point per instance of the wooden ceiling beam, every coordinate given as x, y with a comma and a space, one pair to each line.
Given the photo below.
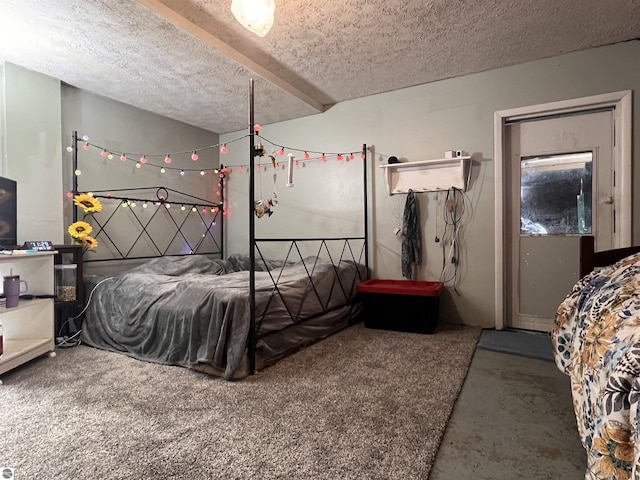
180, 21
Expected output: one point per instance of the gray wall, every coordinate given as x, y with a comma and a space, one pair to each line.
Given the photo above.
122, 128
31, 150
417, 123
38, 115
420, 123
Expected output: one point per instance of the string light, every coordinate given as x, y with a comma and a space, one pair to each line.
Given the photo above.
78, 172
106, 152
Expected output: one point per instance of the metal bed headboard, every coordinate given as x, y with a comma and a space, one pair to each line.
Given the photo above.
201, 236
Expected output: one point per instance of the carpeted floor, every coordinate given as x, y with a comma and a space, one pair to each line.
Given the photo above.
518, 342
362, 404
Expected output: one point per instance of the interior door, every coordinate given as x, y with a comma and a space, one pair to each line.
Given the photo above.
561, 186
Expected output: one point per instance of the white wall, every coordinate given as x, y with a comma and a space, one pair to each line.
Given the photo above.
31, 151
420, 123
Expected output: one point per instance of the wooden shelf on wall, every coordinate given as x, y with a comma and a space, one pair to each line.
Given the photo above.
427, 175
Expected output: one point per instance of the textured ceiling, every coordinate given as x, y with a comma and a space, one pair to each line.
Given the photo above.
159, 55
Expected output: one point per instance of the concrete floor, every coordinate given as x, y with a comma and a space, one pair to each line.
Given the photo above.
513, 420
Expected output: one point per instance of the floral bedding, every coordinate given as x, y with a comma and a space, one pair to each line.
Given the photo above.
596, 341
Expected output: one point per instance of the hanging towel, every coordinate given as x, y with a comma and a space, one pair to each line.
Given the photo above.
411, 238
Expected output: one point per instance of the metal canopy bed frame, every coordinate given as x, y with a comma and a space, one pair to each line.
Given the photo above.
358, 256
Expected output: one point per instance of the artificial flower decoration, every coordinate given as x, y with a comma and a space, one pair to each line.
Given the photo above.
90, 242
80, 230
88, 203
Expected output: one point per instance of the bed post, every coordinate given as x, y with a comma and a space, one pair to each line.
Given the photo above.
74, 177
221, 177
366, 210
252, 237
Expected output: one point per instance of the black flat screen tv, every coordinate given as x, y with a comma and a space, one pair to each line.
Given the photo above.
8, 213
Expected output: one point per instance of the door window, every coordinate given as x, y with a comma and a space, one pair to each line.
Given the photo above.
555, 194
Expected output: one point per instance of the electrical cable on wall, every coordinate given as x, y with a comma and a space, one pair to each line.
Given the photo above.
453, 212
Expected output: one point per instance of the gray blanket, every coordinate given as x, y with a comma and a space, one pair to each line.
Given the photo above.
192, 310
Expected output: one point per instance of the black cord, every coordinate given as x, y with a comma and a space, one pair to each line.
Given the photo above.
453, 213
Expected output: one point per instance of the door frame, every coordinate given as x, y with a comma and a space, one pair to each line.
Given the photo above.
622, 103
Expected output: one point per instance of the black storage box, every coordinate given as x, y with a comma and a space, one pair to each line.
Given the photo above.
401, 305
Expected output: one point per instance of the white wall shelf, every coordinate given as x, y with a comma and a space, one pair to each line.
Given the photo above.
427, 175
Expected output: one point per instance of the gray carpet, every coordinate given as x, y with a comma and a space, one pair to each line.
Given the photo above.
362, 404
524, 343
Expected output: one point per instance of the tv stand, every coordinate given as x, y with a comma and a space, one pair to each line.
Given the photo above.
28, 328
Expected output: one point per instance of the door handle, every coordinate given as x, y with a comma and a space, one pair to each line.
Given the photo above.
609, 200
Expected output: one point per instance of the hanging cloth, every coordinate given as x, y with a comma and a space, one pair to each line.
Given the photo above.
411, 237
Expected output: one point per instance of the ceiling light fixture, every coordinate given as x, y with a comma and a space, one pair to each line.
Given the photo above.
254, 15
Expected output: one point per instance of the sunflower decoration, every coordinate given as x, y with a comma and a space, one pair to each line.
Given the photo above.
80, 230
88, 203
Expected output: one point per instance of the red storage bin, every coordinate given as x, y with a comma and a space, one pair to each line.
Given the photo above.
402, 305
